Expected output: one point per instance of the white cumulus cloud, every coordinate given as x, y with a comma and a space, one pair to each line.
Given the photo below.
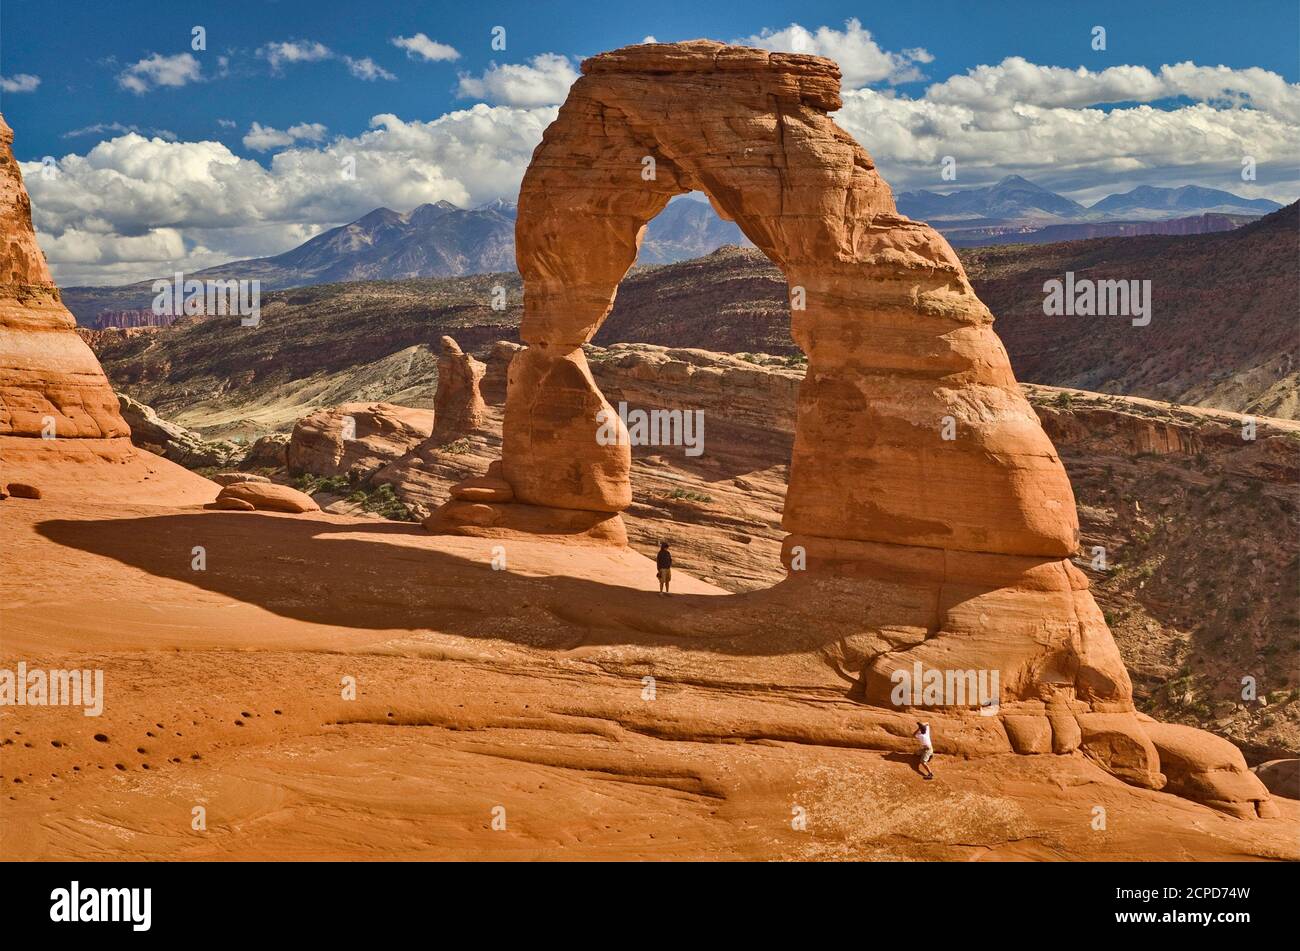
367, 69
544, 81
224, 207
19, 82
421, 47
262, 138
157, 70
861, 59
1016, 81
293, 51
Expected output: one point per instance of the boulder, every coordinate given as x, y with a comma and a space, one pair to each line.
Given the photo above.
268, 452
270, 497
1281, 777
1210, 770
355, 438
483, 489
21, 490
230, 504
1118, 743
491, 520
1029, 734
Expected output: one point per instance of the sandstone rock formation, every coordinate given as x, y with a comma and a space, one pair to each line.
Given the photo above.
266, 496
458, 404
498, 366
918, 466
232, 478
60, 425
50, 382
355, 437
270, 451
172, 441
1281, 777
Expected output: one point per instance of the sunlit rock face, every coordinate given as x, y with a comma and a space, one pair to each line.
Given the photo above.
50, 383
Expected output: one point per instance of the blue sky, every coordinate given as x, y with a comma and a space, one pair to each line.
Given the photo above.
109, 93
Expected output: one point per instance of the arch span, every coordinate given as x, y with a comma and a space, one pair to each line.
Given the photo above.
901, 353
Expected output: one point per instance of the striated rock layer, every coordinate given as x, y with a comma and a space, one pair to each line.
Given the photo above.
60, 425
918, 466
50, 381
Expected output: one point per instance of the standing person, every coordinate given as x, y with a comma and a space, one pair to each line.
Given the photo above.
922, 736
664, 562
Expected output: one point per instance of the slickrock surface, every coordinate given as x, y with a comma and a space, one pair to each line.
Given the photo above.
523, 687
355, 437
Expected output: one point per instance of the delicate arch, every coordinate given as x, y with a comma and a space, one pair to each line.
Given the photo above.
901, 352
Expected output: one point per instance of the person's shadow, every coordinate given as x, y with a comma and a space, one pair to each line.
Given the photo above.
910, 758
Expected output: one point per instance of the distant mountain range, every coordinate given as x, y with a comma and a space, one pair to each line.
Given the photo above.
1016, 197
442, 240
1017, 210
1222, 332
433, 240
1012, 197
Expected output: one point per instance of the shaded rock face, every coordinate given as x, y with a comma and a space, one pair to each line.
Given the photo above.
355, 437
174, 442
50, 381
270, 451
918, 466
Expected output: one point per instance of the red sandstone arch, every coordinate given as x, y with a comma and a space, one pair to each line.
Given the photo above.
896, 339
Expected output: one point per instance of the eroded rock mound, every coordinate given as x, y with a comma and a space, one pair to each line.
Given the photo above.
172, 441
50, 382
60, 425
355, 438
266, 496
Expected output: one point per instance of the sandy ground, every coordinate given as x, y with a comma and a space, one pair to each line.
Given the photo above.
497, 714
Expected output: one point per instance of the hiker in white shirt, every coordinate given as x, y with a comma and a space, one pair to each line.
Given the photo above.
922, 736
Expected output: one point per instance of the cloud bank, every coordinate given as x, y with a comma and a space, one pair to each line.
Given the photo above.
137, 205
